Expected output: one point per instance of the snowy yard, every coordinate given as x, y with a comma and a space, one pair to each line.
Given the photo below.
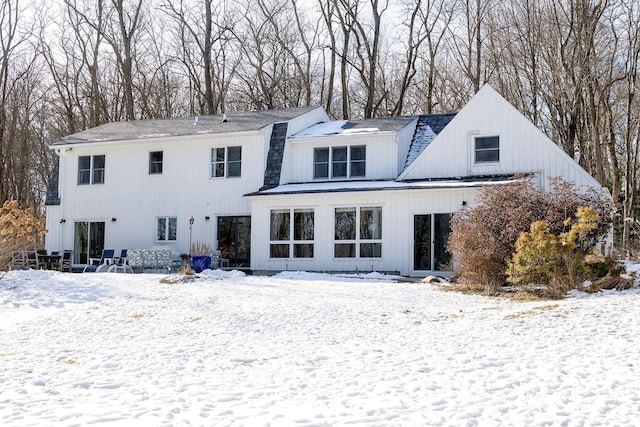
304, 349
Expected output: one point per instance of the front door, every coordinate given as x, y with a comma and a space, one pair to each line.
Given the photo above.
430, 238
88, 241
234, 240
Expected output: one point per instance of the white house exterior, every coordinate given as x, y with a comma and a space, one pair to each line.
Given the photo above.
291, 189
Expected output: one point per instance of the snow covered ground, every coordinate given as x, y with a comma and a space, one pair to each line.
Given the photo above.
308, 349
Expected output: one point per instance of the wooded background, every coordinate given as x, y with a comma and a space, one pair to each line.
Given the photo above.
570, 66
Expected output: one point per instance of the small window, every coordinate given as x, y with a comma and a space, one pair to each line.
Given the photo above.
226, 162
166, 229
91, 169
487, 149
358, 160
321, 163
339, 162
155, 162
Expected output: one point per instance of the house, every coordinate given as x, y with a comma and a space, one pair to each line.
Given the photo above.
291, 189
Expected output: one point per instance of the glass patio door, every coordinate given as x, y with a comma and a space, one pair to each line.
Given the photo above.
234, 239
88, 241
430, 239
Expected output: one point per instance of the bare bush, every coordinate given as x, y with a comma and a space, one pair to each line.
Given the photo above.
19, 230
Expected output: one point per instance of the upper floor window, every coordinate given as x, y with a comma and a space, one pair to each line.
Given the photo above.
226, 162
282, 230
155, 162
91, 169
166, 228
339, 162
487, 149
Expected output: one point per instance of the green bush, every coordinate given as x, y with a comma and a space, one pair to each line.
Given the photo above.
557, 261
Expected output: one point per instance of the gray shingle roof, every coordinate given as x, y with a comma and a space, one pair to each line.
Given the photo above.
186, 126
427, 128
53, 197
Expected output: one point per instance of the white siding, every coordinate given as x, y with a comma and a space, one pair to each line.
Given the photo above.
136, 198
381, 157
523, 147
398, 208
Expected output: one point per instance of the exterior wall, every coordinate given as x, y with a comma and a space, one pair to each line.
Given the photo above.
523, 147
136, 198
381, 157
398, 209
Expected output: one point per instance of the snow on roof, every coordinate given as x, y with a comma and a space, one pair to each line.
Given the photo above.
346, 186
350, 127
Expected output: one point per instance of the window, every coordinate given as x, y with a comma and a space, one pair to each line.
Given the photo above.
226, 162
345, 162
155, 162
358, 232
302, 231
166, 229
487, 149
91, 170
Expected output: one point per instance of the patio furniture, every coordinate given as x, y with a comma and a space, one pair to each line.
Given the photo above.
121, 265
99, 266
156, 259
31, 258
19, 261
65, 261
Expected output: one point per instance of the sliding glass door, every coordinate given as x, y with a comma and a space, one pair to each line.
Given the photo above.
430, 239
88, 241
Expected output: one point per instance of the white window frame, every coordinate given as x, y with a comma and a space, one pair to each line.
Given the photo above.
348, 161
290, 239
485, 150
225, 162
92, 169
156, 162
359, 239
168, 220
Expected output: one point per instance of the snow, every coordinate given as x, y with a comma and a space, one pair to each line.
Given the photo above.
333, 128
308, 349
381, 185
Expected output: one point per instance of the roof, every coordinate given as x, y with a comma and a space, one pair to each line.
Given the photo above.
382, 185
355, 127
427, 128
185, 126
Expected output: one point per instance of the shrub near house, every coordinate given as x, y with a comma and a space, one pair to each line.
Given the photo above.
19, 230
484, 237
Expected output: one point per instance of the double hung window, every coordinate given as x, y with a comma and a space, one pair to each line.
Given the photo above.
91, 169
358, 232
289, 239
226, 162
339, 162
155, 162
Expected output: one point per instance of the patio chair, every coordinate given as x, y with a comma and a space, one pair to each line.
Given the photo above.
106, 259
65, 261
121, 265
31, 258
19, 261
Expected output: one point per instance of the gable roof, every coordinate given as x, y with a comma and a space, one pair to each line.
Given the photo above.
427, 128
355, 127
184, 126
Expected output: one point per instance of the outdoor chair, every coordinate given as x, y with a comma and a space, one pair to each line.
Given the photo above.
121, 265
31, 258
18, 260
65, 261
106, 259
